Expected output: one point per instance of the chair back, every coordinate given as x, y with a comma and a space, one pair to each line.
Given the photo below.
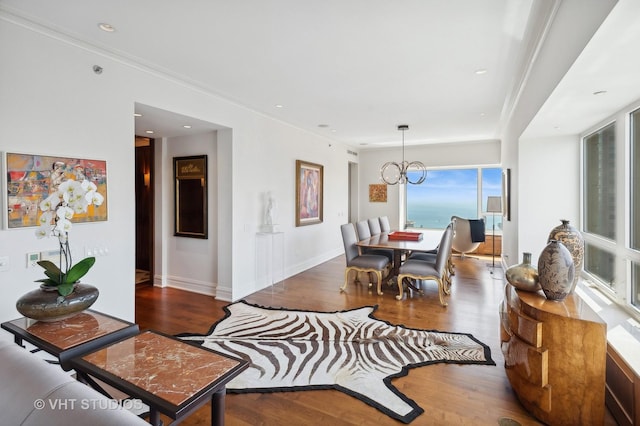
374, 226
462, 241
363, 230
384, 224
349, 240
444, 249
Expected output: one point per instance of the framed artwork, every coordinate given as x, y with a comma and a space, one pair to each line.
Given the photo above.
309, 187
190, 174
30, 179
506, 193
378, 193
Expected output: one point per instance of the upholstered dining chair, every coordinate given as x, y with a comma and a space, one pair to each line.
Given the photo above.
467, 234
363, 233
374, 226
369, 263
414, 269
385, 226
430, 256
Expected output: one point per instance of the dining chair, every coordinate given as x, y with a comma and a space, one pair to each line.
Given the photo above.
414, 269
467, 234
384, 224
430, 256
364, 233
369, 263
374, 226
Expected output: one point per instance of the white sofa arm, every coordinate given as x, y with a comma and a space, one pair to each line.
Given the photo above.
37, 393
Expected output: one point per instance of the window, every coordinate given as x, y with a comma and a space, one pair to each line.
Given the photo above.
634, 240
600, 183
635, 173
612, 258
448, 192
599, 263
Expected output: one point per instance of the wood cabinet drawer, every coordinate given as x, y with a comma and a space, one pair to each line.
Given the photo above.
529, 362
526, 328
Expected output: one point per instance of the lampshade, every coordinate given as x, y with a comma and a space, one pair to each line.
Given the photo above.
494, 204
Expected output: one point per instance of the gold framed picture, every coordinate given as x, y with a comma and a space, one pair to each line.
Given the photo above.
309, 187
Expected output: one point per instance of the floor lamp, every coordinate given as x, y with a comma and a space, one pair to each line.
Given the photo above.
494, 205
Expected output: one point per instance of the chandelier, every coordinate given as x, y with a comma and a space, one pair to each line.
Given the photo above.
393, 173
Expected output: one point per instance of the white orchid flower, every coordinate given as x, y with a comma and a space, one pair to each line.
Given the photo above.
88, 186
43, 230
94, 198
63, 225
64, 212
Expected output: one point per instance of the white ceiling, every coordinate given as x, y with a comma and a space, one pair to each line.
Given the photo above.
358, 67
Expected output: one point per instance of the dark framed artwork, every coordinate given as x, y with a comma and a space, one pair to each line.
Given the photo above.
377, 193
309, 188
31, 178
506, 193
191, 209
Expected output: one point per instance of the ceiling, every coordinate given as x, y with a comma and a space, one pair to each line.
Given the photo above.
348, 70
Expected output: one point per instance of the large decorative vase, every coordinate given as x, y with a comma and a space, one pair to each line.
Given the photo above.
573, 241
523, 276
45, 304
556, 271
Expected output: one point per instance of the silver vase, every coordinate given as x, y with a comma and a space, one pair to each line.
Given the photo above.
523, 276
555, 271
573, 241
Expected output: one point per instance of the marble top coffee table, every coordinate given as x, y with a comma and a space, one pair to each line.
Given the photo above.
71, 337
172, 377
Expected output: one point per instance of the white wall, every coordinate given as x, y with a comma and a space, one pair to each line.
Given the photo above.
548, 188
192, 263
65, 109
473, 154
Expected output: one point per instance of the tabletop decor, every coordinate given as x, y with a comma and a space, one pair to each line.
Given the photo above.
556, 271
61, 294
350, 351
523, 276
574, 242
405, 235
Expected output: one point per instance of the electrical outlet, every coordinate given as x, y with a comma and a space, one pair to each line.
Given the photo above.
4, 263
32, 259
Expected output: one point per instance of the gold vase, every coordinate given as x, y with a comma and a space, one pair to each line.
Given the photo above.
523, 276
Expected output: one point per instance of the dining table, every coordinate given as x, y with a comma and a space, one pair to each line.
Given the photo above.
412, 242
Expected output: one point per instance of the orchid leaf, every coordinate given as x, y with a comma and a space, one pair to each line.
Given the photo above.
79, 270
50, 267
65, 289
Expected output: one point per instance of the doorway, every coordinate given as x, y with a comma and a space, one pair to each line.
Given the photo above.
144, 210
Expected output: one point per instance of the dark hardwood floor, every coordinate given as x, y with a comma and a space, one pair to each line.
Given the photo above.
449, 394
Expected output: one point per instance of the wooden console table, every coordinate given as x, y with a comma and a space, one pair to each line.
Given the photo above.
555, 357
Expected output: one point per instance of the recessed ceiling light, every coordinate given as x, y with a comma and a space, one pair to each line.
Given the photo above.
186, 126
137, 114
150, 132
480, 71
482, 114
600, 92
279, 106
106, 27
333, 130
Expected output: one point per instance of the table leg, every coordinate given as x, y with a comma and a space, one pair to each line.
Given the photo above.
154, 417
217, 407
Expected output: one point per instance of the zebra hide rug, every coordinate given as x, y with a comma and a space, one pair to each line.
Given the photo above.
350, 351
